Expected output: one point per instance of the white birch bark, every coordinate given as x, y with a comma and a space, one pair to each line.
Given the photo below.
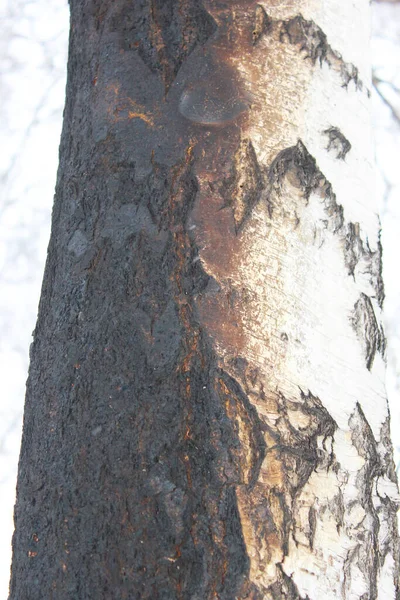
297, 315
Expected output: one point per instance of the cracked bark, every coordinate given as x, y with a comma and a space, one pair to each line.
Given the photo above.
205, 417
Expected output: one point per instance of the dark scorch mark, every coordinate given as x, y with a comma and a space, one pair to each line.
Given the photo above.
285, 588
262, 25
357, 253
365, 556
163, 32
212, 101
368, 331
246, 423
337, 142
312, 42
242, 190
304, 170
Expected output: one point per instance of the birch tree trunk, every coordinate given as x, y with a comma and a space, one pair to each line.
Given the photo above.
206, 415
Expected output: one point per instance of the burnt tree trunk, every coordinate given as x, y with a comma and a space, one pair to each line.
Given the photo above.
205, 414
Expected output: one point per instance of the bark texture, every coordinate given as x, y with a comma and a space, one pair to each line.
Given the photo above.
205, 414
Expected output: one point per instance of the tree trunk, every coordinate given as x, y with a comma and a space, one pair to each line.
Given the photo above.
206, 414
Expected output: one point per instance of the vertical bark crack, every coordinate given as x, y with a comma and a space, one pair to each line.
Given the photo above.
242, 190
368, 331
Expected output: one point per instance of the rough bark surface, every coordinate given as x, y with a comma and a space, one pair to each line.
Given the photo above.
205, 416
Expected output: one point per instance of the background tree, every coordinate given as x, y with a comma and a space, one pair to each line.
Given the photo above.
205, 415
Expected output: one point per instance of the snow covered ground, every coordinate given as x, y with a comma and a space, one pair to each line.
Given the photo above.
33, 55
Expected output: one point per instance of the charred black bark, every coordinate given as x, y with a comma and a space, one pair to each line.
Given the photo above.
129, 421
164, 32
130, 452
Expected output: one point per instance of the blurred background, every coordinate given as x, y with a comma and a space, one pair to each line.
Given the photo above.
33, 59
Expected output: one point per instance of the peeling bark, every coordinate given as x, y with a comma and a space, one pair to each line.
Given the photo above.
205, 416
